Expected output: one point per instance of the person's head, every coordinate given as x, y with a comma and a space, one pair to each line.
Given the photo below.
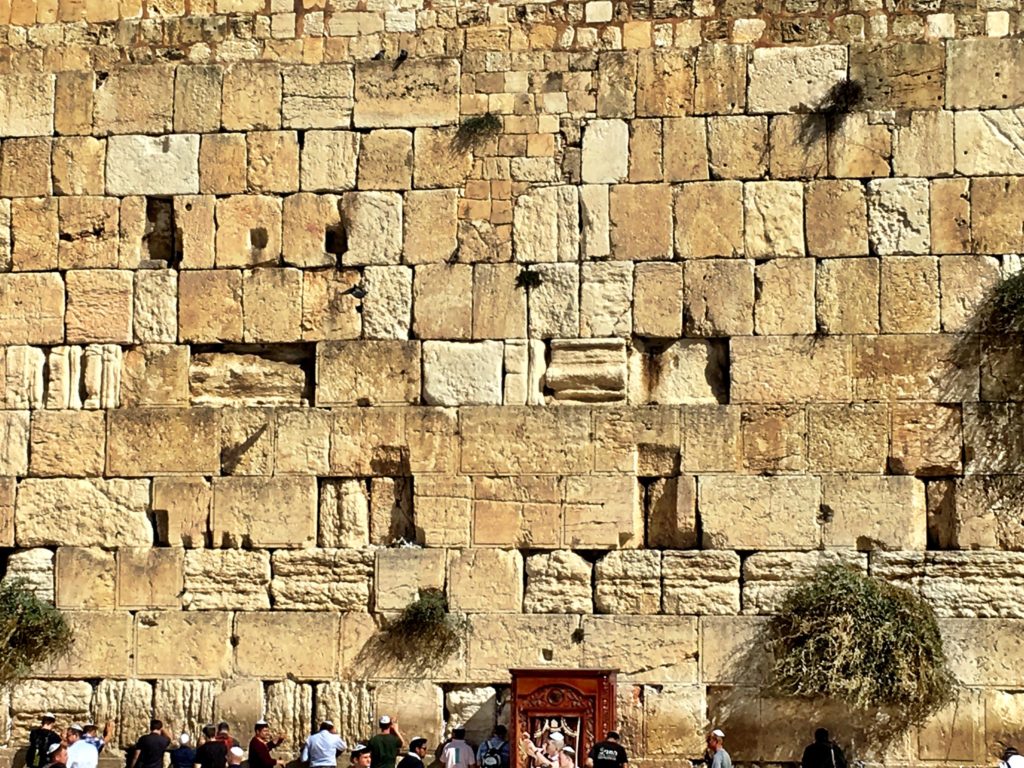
156, 725
209, 731
821, 736
223, 727
458, 733
89, 729
184, 739
385, 723
235, 755
49, 720
73, 734
555, 742
715, 740
262, 729
57, 753
361, 756
501, 731
419, 746
569, 752
612, 736
326, 725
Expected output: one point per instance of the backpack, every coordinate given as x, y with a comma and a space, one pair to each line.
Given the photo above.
39, 741
491, 757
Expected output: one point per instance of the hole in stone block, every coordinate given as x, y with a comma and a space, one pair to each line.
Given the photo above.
252, 374
336, 242
160, 240
258, 238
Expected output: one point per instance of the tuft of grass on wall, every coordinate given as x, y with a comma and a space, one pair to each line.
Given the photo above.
1003, 310
862, 641
476, 130
31, 631
426, 629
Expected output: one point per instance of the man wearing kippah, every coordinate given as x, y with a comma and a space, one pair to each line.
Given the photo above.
716, 749
40, 740
57, 756
361, 756
386, 745
321, 749
261, 744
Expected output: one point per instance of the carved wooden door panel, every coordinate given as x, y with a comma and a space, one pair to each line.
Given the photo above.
577, 704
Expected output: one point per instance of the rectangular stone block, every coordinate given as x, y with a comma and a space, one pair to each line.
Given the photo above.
171, 441
502, 642
65, 443
153, 165
85, 578
784, 297
402, 574
768, 576
181, 507
926, 440
864, 512
620, 641
149, 577
485, 581
984, 651
318, 96
701, 583
847, 437
900, 75
225, 580
628, 582
246, 511
603, 512
95, 512
100, 306
558, 582
521, 511
913, 367
774, 369
442, 511
101, 645
34, 234
368, 372
31, 308
321, 579
27, 101
984, 73
197, 99
201, 644
418, 93
251, 97
742, 512
732, 652
135, 99
275, 645
523, 440
791, 79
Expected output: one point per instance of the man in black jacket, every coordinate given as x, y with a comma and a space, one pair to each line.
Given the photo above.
40, 740
823, 753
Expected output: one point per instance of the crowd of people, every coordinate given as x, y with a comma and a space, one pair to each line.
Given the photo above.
79, 746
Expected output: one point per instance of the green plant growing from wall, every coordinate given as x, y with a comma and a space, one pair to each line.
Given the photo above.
31, 632
1003, 308
425, 633
862, 641
476, 130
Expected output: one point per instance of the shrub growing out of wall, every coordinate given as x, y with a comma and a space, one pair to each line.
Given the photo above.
1003, 311
31, 631
425, 633
862, 641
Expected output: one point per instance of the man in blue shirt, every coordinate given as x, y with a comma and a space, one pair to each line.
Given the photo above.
719, 757
321, 749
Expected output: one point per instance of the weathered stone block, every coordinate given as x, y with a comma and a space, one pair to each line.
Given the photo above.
899, 75
14, 451
793, 79
314, 579
317, 96
913, 367
201, 643
502, 642
546, 225
272, 645
248, 231
155, 374
860, 148
456, 373
996, 219
587, 370
401, 575
641, 221
963, 283
759, 512
554, 304
28, 104
605, 152
701, 582
152, 165
230, 579
658, 299
847, 437
847, 298
672, 513
34, 235
789, 369
731, 649
628, 582
31, 308
273, 161
674, 716
485, 580
982, 652
768, 576
24, 167
126, 702
251, 97
102, 513
36, 568
172, 441
100, 306
247, 510
773, 218
926, 440
149, 577
101, 645
78, 165
865, 512
924, 147
197, 99
718, 297
68, 443
688, 371
984, 73
430, 218
686, 155
135, 99
738, 146
784, 297
442, 511
378, 372
559, 582
419, 93
898, 220
621, 640
85, 579
373, 227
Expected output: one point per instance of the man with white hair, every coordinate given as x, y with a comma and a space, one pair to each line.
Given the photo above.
716, 749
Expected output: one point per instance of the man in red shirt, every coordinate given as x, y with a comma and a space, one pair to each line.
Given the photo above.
260, 746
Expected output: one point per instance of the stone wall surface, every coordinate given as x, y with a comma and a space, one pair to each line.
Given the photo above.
606, 318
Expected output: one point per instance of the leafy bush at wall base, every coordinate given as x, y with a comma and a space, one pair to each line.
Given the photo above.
31, 632
861, 641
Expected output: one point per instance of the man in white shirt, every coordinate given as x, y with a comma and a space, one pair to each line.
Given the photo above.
321, 749
81, 754
457, 753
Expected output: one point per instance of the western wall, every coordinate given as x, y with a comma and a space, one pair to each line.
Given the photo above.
614, 308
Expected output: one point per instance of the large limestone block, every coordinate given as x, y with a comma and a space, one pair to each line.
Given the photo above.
36, 568
135, 99
658, 299
247, 511
462, 373
768, 576
476, 708
984, 651
957, 732
31, 308
229, 379
8, 491
703, 583
1004, 720
914, 367
984, 73
709, 219
909, 301
184, 705
156, 306
501, 642
315, 579
420, 92
963, 283
149, 577
183, 644
14, 443
517, 512
100, 306
349, 705
784, 297
926, 440
344, 519
546, 225
995, 221
781, 369
898, 216
443, 297
743, 512
605, 152
514, 440
368, 441
793, 79
181, 508
27, 101
640, 217
559, 582
899, 75
674, 719
978, 584
86, 577
129, 703
773, 216
275, 645
671, 508
587, 370
420, 702
718, 297
25, 377
289, 706
240, 702
628, 581
605, 299
847, 296
391, 518
368, 372
402, 574
554, 308
989, 142
616, 83
865, 512
153, 165
387, 307
329, 311
69, 700
101, 646
101, 513
837, 223
686, 372
847, 437
485, 581
317, 96
732, 649
143, 441
226, 579
603, 512
623, 643
665, 79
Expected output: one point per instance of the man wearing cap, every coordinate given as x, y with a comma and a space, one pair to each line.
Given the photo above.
322, 748
211, 753
57, 756
608, 753
81, 754
417, 753
40, 740
261, 744
235, 756
183, 755
716, 750
385, 746
361, 756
